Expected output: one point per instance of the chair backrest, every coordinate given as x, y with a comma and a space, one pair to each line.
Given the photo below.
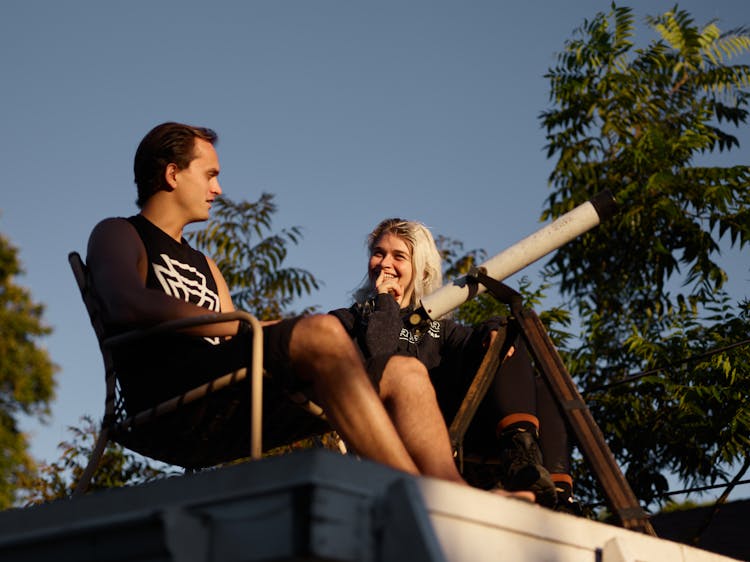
114, 410
81, 274
123, 427
117, 423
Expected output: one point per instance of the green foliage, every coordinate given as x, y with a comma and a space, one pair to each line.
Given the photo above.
646, 284
26, 371
330, 441
250, 260
682, 506
119, 467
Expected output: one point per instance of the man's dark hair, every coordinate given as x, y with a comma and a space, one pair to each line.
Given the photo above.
168, 143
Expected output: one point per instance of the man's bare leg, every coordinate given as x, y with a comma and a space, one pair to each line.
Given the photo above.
409, 398
321, 351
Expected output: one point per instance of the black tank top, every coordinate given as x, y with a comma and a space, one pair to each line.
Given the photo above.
175, 267
160, 367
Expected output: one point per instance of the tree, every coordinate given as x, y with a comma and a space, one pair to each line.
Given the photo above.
646, 285
26, 372
252, 264
118, 467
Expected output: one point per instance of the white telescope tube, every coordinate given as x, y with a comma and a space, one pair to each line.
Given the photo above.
511, 260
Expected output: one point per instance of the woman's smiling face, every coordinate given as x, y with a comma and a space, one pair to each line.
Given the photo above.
390, 268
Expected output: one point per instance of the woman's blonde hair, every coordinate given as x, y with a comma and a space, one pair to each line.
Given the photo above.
426, 261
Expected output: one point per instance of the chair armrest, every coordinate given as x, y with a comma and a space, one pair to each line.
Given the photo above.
181, 324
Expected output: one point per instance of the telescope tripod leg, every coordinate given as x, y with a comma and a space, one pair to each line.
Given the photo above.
618, 494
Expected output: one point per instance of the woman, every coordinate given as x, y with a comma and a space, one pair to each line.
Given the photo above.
405, 265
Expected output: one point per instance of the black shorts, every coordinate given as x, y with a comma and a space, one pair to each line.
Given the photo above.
163, 367
215, 429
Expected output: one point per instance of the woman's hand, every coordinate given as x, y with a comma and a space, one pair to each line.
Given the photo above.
388, 284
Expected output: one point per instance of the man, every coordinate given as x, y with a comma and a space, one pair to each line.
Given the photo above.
146, 273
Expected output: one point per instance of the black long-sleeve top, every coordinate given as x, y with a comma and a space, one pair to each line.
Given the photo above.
379, 327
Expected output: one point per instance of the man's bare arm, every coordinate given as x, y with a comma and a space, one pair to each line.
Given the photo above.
118, 264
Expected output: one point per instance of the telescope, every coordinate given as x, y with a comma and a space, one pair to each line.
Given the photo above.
523, 253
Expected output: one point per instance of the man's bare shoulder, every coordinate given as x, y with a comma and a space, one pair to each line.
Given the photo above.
113, 235
110, 223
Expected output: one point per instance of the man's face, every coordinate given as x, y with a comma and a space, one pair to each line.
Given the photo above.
198, 185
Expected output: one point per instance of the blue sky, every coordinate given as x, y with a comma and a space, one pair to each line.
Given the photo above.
348, 112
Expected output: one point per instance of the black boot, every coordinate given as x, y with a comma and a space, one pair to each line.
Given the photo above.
565, 500
521, 466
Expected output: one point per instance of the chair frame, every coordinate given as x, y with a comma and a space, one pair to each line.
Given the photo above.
114, 420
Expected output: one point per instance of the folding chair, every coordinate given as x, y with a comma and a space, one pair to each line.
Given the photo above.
130, 430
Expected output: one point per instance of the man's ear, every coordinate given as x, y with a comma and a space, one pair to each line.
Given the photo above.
170, 175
